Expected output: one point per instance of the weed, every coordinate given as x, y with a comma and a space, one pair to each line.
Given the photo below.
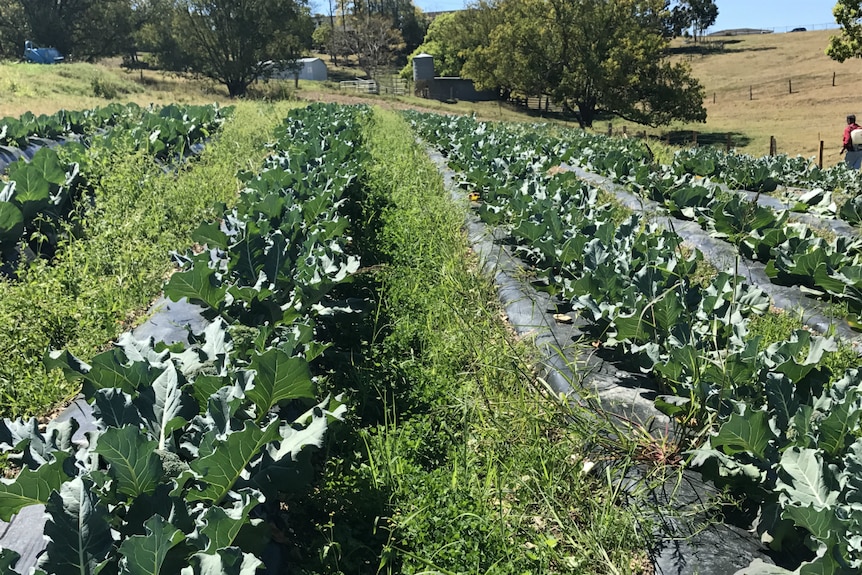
116, 258
464, 463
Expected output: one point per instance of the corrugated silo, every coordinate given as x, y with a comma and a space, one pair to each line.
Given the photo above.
423, 67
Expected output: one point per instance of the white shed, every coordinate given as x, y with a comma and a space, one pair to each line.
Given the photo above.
308, 68
312, 69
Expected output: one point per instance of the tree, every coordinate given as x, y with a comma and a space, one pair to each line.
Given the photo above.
402, 15
594, 55
68, 26
695, 14
373, 39
234, 42
453, 36
848, 15
13, 29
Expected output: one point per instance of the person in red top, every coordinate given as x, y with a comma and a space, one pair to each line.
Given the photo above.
853, 157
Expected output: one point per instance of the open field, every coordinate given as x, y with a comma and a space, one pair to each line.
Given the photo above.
772, 64
78, 86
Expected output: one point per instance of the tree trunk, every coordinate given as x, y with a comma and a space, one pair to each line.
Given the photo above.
236, 88
586, 113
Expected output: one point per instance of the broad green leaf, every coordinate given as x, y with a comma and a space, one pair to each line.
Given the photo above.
133, 464
205, 386
825, 565
72, 367
222, 523
801, 478
32, 191
144, 554
210, 235
164, 407
8, 559
279, 377
667, 311
838, 428
47, 164
114, 408
32, 487
11, 222
111, 369
744, 433
198, 285
821, 523
229, 561
78, 533
632, 327
220, 469
782, 400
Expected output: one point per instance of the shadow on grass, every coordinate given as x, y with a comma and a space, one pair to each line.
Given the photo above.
687, 137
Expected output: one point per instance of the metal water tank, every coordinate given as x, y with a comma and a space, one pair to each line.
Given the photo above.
423, 67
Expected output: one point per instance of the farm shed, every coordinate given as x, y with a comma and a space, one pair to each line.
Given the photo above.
312, 69
427, 85
308, 68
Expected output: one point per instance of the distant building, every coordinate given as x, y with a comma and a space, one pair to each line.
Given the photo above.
306, 69
444, 88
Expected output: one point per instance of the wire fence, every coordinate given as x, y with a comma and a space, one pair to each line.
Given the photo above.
771, 89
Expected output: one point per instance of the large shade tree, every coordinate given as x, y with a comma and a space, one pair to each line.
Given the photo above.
591, 55
234, 42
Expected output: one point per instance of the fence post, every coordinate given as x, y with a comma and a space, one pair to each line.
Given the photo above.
820, 156
789, 86
728, 144
833, 79
713, 97
750, 93
694, 138
610, 129
773, 148
624, 132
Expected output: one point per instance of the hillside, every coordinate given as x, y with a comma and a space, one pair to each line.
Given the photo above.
770, 64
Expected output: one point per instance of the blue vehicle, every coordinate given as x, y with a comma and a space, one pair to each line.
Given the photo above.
41, 55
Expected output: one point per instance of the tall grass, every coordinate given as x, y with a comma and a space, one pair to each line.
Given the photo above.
464, 462
101, 283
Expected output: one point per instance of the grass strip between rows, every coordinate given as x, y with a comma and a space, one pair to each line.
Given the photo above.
99, 284
464, 464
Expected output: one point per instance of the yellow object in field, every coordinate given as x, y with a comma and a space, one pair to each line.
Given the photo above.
474, 196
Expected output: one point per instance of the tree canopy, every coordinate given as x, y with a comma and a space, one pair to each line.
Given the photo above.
69, 26
452, 37
234, 42
591, 55
695, 14
848, 15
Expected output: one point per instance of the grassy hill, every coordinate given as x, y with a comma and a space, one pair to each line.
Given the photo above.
770, 65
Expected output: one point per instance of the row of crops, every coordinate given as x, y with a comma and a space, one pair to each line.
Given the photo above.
39, 192
826, 266
195, 443
780, 426
736, 170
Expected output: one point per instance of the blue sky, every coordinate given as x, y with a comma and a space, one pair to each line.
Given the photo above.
778, 14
